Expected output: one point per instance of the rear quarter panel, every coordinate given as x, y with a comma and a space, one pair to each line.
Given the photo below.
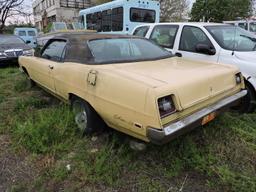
123, 103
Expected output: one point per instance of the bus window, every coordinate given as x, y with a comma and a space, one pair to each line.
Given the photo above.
142, 15
89, 21
106, 20
98, 21
117, 19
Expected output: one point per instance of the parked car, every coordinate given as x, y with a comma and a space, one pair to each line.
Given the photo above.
132, 85
211, 42
11, 47
28, 34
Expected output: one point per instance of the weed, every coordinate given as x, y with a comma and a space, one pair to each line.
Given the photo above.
46, 131
21, 85
1, 98
24, 103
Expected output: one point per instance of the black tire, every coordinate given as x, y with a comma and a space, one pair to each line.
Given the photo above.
85, 116
248, 102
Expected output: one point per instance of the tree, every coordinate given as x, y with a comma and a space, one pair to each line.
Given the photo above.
8, 8
173, 10
218, 11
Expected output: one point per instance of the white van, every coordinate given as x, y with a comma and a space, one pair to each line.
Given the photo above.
221, 43
28, 34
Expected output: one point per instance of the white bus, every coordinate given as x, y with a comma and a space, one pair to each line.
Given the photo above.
120, 16
249, 25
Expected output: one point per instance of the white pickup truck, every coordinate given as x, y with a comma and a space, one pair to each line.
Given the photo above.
216, 42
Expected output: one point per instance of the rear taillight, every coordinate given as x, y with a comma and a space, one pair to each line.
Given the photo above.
238, 78
166, 106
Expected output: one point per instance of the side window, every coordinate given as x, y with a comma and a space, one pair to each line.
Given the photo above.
106, 20
243, 25
22, 33
98, 21
142, 15
55, 50
117, 19
89, 21
164, 35
141, 31
191, 37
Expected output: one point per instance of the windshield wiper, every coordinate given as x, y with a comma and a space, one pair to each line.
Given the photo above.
251, 38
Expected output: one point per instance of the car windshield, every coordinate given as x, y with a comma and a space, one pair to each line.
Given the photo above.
233, 38
10, 40
125, 50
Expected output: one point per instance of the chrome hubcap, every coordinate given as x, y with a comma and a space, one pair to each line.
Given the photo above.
80, 116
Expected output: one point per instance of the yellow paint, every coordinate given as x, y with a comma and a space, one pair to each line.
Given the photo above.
126, 94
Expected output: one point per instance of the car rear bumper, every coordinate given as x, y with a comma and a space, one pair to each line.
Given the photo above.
190, 122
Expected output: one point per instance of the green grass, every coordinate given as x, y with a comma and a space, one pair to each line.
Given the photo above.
49, 130
218, 157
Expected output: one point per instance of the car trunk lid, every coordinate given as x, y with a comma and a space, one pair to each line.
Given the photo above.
193, 81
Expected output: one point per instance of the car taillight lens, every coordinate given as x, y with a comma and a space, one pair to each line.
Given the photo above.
166, 106
238, 78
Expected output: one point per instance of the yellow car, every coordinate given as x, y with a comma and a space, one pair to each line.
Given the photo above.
133, 85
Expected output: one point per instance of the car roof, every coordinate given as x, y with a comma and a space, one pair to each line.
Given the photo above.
85, 36
199, 24
79, 51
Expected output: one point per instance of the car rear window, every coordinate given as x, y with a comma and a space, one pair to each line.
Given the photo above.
125, 50
22, 33
31, 33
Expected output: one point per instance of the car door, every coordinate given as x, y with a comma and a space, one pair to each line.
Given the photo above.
195, 44
165, 36
50, 58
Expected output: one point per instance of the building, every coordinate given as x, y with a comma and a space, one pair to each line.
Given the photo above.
47, 11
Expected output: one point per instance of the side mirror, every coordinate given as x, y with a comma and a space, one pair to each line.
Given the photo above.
205, 49
27, 42
37, 52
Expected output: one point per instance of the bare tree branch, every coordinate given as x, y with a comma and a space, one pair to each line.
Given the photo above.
173, 10
8, 8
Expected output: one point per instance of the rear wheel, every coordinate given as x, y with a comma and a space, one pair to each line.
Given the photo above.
85, 116
248, 102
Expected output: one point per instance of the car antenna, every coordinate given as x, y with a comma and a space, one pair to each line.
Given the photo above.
233, 50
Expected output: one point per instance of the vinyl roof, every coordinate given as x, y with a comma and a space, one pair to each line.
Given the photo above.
82, 36
77, 50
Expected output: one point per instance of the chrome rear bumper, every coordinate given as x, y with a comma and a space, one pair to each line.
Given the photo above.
171, 131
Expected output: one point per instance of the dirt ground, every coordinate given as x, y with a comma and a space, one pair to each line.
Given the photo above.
14, 167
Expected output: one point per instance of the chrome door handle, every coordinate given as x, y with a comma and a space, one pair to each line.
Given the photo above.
50, 66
